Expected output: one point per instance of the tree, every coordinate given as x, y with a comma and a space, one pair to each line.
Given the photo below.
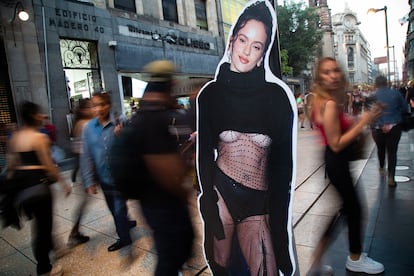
299, 35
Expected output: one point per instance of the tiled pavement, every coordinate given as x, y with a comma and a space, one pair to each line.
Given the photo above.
389, 223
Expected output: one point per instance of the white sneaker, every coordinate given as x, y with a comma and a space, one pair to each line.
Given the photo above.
364, 264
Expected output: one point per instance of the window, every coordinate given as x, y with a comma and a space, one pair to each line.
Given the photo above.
351, 77
201, 16
81, 67
126, 5
169, 9
350, 58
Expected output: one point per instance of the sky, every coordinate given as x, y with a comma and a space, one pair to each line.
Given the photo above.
373, 26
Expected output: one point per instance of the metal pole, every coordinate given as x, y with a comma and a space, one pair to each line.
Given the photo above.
388, 48
47, 63
395, 63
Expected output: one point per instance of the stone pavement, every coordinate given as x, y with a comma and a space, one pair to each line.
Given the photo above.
389, 214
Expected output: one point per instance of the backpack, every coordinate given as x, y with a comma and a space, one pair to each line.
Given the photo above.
127, 165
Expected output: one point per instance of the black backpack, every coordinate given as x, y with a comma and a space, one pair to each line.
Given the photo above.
127, 165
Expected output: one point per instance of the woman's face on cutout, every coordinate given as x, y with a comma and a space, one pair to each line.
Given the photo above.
247, 48
330, 75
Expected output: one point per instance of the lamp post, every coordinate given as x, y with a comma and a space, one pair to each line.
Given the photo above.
395, 64
371, 10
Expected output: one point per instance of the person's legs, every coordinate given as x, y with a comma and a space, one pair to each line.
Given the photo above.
75, 170
222, 248
256, 244
75, 237
340, 176
173, 235
379, 138
117, 206
42, 232
393, 138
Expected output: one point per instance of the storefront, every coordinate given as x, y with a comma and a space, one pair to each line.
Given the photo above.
83, 49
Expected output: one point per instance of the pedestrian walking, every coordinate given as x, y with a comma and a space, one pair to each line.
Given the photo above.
97, 138
31, 170
152, 170
386, 130
338, 132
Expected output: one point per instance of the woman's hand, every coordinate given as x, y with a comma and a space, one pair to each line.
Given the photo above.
372, 114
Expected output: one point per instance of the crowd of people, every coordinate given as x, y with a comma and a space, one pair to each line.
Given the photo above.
245, 160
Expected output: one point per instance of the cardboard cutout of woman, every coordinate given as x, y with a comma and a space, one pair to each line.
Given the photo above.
246, 141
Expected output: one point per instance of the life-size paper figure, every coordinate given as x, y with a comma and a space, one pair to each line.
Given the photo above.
246, 154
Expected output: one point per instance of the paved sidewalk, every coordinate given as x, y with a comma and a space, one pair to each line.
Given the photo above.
389, 236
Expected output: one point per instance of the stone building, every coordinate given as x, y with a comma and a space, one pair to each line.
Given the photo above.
408, 73
69, 49
351, 48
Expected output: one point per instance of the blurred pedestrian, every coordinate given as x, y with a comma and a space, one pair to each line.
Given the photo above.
386, 130
97, 137
153, 157
30, 164
357, 101
246, 128
83, 115
338, 132
410, 95
301, 109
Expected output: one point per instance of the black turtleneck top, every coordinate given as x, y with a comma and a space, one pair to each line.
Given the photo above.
246, 103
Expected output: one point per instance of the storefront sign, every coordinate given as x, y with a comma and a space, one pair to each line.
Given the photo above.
75, 21
131, 30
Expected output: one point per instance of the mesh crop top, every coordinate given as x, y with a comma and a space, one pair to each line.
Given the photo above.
259, 140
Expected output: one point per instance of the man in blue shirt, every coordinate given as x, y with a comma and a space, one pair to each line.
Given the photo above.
98, 136
387, 128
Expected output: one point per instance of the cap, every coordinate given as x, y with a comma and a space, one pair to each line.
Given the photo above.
160, 71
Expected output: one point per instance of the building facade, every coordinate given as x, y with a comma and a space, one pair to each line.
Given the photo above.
408, 73
70, 49
351, 49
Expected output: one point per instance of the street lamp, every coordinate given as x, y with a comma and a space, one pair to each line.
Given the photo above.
21, 13
170, 38
371, 10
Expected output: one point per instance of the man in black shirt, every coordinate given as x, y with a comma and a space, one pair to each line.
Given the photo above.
157, 170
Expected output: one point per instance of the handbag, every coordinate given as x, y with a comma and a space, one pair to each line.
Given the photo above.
407, 122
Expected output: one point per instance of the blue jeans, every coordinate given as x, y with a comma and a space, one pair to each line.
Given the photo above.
173, 234
117, 205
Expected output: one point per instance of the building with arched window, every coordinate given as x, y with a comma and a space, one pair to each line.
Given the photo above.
351, 48
69, 49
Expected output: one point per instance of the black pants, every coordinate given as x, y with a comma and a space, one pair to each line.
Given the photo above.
173, 234
387, 143
41, 211
337, 168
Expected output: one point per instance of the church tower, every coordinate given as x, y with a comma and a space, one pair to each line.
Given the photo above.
325, 25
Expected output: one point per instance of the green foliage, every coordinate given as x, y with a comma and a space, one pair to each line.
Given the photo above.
286, 69
299, 35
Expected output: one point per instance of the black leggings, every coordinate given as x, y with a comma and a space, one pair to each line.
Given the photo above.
337, 168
